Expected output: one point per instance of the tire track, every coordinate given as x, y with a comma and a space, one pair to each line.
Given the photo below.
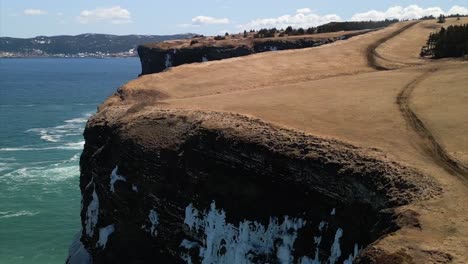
372, 54
429, 142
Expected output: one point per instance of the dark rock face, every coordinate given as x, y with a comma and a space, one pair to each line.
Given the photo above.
154, 59
138, 178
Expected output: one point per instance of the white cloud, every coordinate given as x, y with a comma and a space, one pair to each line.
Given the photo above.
458, 10
409, 12
34, 12
114, 15
302, 18
304, 10
206, 20
187, 25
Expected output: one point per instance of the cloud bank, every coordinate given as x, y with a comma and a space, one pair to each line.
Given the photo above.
34, 12
409, 12
206, 20
113, 15
303, 17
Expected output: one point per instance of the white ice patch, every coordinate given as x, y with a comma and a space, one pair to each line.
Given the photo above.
115, 177
92, 214
240, 244
168, 62
134, 188
335, 251
204, 59
333, 212
273, 48
351, 257
153, 217
77, 253
191, 217
189, 244
104, 234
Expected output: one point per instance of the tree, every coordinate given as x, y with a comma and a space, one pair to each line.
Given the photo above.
288, 30
245, 33
448, 42
310, 30
441, 19
226, 35
300, 31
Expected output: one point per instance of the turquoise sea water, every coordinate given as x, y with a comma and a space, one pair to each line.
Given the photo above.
44, 105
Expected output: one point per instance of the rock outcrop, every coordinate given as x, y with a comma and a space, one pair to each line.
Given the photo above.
174, 186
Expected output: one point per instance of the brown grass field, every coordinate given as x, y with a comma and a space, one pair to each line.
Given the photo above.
372, 90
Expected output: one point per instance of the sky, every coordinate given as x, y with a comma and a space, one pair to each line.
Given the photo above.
29, 18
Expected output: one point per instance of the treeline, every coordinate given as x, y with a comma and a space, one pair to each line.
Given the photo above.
330, 27
450, 42
359, 25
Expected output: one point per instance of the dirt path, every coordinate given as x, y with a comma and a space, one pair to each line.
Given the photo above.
372, 54
429, 142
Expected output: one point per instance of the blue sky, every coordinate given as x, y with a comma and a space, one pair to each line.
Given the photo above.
28, 18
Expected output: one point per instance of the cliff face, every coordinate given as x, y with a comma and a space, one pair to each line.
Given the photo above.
155, 60
174, 186
158, 57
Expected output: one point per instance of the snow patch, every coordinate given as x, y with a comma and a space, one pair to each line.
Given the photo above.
168, 62
104, 234
248, 241
77, 253
204, 59
134, 188
92, 214
153, 217
273, 48
114, 177
352, 256
335, 251
240, 244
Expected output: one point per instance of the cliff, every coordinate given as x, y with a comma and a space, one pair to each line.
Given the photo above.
299, 156
164, 164
157, 57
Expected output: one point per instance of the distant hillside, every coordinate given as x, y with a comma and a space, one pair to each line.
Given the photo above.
84, 45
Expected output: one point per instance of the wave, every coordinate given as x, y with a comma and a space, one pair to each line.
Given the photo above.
77, 120
68, 146
71, 127
75, 157
10, 214
53, 173
8, 159
17, 105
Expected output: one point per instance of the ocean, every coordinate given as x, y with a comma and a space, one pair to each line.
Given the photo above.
44, 106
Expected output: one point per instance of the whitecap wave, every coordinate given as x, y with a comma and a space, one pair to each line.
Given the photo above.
71, 127
17, 105
53, 173
10, 214
75, 157
68, 146
77, 120
8, 159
